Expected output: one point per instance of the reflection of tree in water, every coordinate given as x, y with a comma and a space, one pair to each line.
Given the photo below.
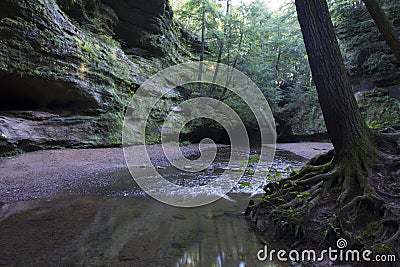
222, 244
136, 230
148, 233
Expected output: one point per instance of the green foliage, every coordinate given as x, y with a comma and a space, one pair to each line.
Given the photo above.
109, 40
268, 48
190, 16
245, 184
185, 143
254, 159
376, 125
379, 109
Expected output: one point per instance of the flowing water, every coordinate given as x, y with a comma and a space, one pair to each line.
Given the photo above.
119, 225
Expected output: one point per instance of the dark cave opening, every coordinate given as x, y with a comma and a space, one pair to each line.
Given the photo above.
219, 135
12, 101
28, 93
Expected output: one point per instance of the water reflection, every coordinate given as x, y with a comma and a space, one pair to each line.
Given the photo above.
134, 231
119, 225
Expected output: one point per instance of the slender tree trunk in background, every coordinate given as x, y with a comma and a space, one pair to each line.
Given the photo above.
278, 54
228, 82
203, 30
278, 59
261, 41
238, 49
230, 31
346, 127
219, 57
220, 51
384, 26
223, 95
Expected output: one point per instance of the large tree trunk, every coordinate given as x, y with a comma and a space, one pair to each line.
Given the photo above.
348, 187
384, 26
346, 127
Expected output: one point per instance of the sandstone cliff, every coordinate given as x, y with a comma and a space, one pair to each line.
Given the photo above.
68, 67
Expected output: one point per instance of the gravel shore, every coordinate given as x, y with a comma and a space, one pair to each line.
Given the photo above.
50, 173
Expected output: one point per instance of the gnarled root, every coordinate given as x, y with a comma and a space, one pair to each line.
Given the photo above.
354, 199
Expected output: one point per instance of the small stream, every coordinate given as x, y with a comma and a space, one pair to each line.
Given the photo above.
119, 225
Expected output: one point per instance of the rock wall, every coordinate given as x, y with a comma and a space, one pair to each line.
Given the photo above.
379, 109
369, 61
68, 68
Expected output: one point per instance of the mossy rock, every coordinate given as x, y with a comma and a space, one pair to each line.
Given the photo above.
65, 74
379, 109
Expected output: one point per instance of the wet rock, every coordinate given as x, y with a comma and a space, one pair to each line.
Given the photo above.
250, 207
210, 169
260, 226
176, 109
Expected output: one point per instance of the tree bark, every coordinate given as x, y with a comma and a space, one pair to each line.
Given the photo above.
384, 26
203, 42
220, 51
203, 31
346, 127
223, 95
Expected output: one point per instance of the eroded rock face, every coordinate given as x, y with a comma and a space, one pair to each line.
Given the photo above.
64, 80
132, 23
369, 61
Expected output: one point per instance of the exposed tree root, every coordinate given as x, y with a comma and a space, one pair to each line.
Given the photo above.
394, 237
356, 199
